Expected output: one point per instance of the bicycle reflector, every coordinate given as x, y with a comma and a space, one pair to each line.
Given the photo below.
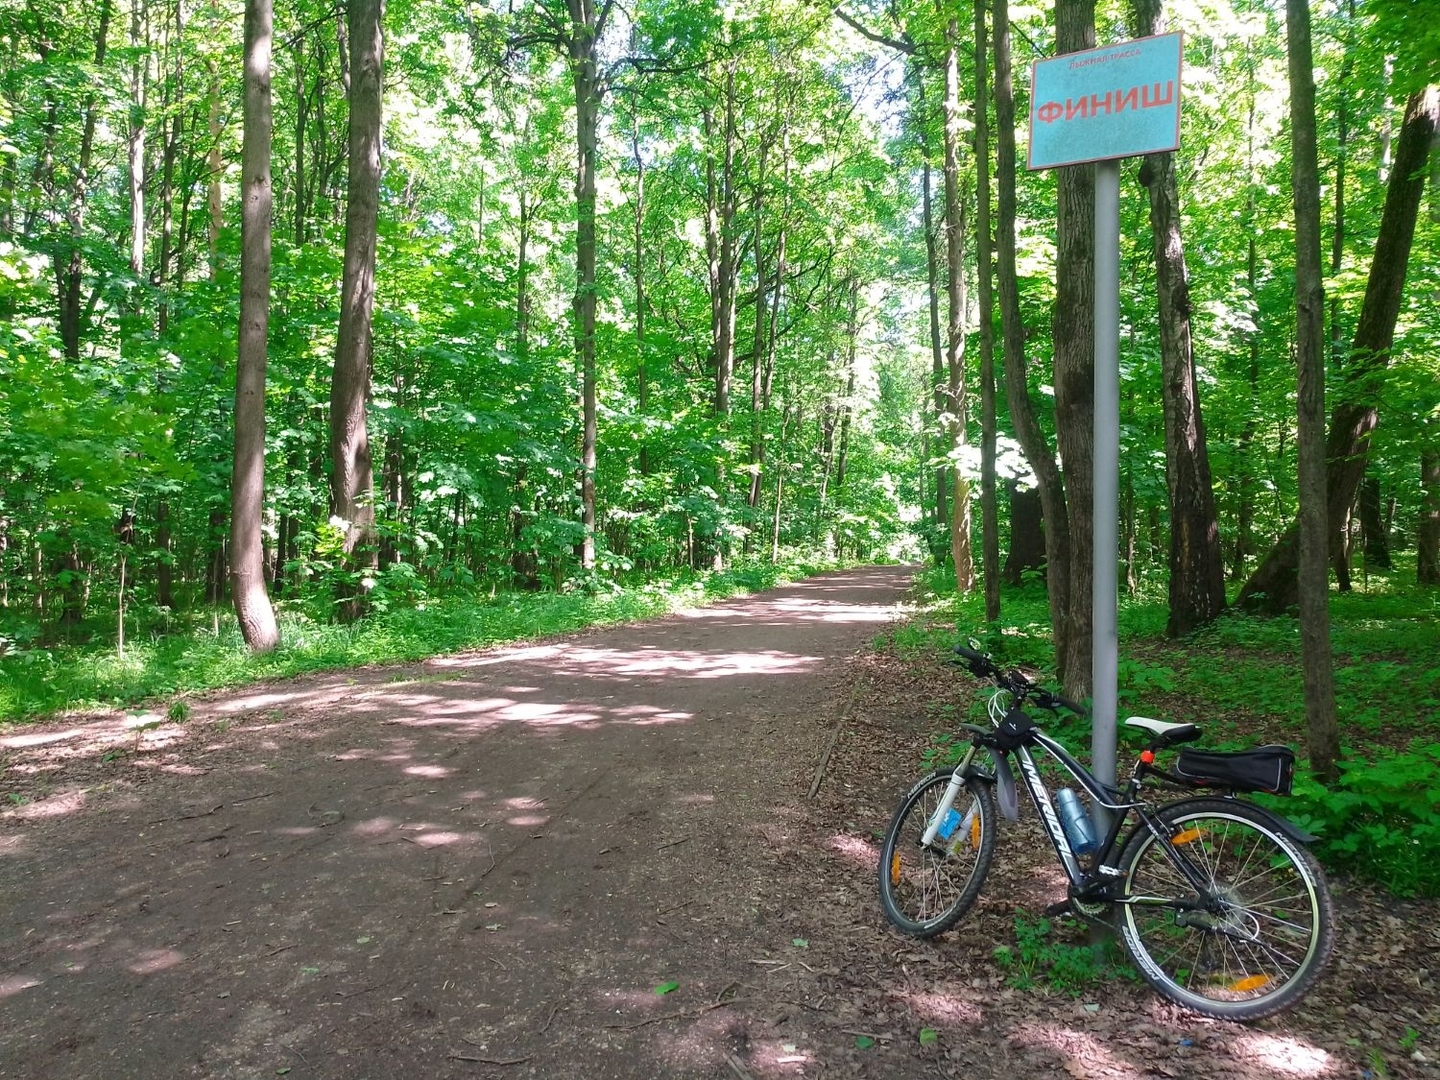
1251, 982
1186, 837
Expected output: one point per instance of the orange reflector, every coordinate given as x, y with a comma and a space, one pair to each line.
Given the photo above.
975, 831
895, 869
1252, 982
1185, 837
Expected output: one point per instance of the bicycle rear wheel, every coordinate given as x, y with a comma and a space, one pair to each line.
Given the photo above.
1254, 939
925, 890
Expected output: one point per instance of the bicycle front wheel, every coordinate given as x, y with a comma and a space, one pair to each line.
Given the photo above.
1253, 939
925, 890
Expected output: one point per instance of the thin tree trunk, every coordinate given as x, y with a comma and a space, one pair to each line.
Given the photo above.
1372, 526
956, 391
586, 27
352, 471
1427, 563
937, 347
1322, 725
135, 145
989, 511
247, 489
1197, 568
1017, 391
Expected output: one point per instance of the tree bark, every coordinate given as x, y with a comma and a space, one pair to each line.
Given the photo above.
955, 405
586, 26
247, 491
1322, 725
1372, 526
989, 510
1074, 342
1197, 568
1273, 588
352, 472
1017, 391
1427, 563
937, 347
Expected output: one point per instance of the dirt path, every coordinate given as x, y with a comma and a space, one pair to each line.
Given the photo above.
485, 866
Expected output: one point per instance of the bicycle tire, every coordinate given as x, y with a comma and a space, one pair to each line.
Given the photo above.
925, 891
1262, 948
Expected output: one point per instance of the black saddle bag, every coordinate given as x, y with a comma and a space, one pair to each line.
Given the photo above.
1267, 768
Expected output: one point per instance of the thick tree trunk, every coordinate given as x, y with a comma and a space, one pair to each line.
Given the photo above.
1197, 568
247, 489
1074, 337
1372, 526
1322, 725
352, 473
1027, 533
1017, 391
1273, 587
989, 511
1427, 563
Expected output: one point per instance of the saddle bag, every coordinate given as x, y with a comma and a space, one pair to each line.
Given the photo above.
1270, 769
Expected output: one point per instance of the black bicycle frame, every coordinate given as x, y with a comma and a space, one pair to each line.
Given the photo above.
1119, 803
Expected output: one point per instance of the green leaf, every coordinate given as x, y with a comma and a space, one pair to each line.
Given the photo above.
929, 1036
864, 1042
666, 987
800, 943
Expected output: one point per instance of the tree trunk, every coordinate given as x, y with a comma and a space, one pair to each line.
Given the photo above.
1017, 391
1372, 526
955, 405
135, 145
937, 347
586, 27
1323, 731
247, 489
1197, 569
1027, 533
989, 511
1273, 587
1427, 563
1074, 337
67, 260
352, 471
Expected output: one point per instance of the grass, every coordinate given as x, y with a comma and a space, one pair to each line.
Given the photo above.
38, 682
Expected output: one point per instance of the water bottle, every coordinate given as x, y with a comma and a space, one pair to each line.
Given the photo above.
1076, 822
962, 836
947, 824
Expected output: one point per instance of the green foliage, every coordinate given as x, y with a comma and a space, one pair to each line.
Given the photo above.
1381, 821
1040, 957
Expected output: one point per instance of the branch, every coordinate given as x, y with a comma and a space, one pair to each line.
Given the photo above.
903, 44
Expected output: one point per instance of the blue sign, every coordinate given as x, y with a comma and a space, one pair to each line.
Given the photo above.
1114, 102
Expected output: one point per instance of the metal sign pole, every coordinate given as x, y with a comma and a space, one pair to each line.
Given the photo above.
1107, 470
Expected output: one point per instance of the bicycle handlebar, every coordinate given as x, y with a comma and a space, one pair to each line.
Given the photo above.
1014, 680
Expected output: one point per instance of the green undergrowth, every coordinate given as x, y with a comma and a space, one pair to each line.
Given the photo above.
1241, 679
36, 682
1041, 955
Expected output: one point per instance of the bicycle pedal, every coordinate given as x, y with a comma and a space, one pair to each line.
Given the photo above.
1061, 908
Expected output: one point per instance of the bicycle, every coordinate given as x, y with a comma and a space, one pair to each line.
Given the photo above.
1217, 901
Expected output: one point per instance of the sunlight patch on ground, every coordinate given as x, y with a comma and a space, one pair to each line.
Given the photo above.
152, 961
10, 985
21, 742
1281, 1055
855, 850
58, 805
374, 827
1084, 1055
432, 772
944, 1008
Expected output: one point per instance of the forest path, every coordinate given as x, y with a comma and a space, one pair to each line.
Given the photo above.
488, 858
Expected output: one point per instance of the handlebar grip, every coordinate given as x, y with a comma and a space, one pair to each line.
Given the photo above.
1063, 702
971, 655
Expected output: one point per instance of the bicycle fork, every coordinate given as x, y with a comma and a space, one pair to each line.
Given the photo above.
938, 819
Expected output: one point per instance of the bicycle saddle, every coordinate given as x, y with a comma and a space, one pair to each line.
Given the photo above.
1166, 734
